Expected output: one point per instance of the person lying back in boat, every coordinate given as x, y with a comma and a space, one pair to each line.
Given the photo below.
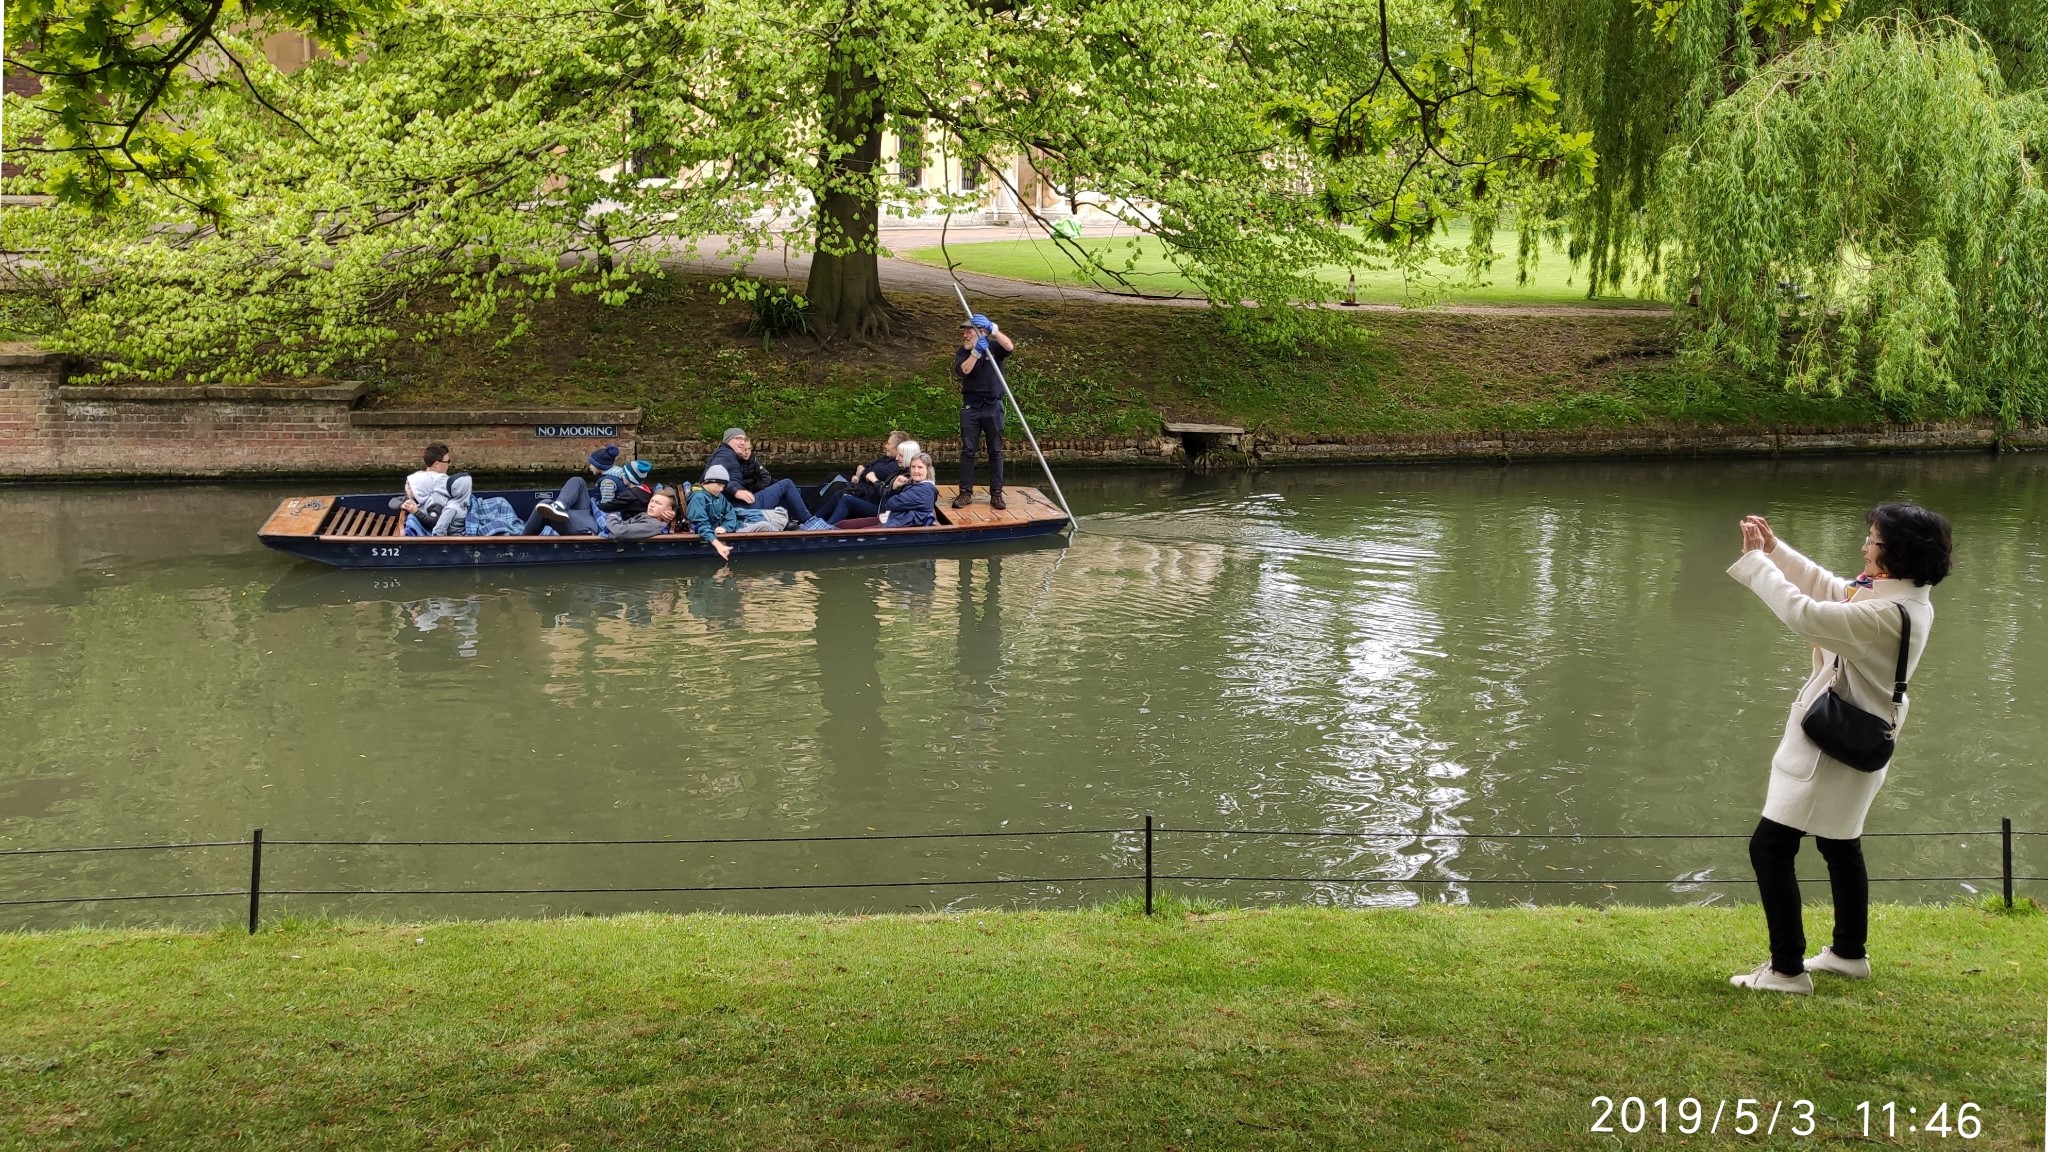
871, 482
569, 512
754, 490
438, 501
658, 517
712, 516
912, 501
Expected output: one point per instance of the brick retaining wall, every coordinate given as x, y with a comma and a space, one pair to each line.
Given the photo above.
50, 429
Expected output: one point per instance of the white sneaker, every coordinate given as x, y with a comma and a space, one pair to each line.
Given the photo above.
1827, 961
1767, 979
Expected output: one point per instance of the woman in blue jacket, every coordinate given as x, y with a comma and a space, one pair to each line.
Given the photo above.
911, 503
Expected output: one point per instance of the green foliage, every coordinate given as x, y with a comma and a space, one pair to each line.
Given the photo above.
1868, 212
117, 74
777, 309
486, 155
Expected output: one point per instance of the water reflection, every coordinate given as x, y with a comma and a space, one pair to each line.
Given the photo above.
1426, 651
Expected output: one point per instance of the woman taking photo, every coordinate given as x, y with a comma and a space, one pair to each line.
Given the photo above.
1867, 636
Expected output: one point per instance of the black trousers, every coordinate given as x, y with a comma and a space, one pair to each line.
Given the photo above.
1772, 849
981, 419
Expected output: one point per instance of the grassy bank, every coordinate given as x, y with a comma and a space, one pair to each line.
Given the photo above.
1087, 369
1298, 1028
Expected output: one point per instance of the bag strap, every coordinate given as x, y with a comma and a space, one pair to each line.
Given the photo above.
1899, 675
1905, 640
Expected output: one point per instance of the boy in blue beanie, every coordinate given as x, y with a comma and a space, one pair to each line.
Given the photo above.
569, 513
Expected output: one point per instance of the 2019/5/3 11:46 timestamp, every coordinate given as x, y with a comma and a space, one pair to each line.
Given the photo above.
1758, 1117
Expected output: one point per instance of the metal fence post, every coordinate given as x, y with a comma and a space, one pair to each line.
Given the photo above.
2005, 834
1148, 864
255, 876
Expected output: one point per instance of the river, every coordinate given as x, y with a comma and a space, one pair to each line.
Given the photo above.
1544, 649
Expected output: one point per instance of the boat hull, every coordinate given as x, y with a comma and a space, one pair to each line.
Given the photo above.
353, 532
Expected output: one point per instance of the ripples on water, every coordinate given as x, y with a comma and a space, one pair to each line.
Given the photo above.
1426, 652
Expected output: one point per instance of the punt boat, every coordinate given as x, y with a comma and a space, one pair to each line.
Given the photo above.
363, 532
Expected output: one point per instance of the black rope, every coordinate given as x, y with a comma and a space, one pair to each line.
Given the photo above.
698, 888
1409, 834
143, 896
711, 840
124, 848
1609, 883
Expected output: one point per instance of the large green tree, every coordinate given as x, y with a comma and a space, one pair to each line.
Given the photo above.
115, 75
481, 155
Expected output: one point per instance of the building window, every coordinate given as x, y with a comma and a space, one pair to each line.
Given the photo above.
970, 175
910, 154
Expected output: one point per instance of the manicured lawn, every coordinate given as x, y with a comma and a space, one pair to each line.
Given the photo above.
1142, 260
1295, 1028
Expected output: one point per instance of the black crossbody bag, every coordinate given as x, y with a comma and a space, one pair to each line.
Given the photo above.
1848, 733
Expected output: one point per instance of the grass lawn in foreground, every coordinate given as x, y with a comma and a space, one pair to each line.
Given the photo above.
1143, 261
1294, 1028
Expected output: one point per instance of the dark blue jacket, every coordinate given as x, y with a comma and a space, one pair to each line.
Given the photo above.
914, 505
749, 474
885, 469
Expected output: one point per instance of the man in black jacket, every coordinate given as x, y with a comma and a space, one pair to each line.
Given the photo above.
983, 347
752, 486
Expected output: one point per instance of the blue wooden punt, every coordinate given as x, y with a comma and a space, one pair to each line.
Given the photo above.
362, 532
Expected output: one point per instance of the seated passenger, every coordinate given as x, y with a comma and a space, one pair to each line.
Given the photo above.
569, 512
623, 488
711, 515
911, 503
436, 502
753, 489
659, 517
871, 482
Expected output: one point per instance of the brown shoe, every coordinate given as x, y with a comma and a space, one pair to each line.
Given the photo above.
963, 500
995, 500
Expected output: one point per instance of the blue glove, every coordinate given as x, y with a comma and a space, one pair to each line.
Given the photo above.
981, 322
981, 346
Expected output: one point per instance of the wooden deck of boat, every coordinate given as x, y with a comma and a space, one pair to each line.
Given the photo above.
311, 516
1024, 506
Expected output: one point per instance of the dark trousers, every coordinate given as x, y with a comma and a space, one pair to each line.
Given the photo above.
1772, 848
847, 506
574, 496
782, 494
981, 419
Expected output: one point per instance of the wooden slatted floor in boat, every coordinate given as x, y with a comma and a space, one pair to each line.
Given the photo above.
1025, 506
355, 522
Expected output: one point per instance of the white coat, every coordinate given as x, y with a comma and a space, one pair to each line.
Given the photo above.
1810, 790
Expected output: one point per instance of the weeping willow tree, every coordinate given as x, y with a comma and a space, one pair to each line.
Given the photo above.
1642, 76
1868, 211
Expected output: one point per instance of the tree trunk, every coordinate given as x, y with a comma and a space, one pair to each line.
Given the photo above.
845, 289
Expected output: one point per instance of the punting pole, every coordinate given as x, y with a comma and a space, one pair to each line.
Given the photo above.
1026, 424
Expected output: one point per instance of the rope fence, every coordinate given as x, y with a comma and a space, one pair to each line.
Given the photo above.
1149, 833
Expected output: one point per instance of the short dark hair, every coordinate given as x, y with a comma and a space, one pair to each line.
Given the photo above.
1912, 543
435, 453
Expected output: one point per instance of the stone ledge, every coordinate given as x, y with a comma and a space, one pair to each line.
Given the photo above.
459, 417
28, 356
346, 393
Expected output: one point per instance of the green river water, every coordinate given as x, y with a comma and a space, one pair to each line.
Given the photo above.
1414, 652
